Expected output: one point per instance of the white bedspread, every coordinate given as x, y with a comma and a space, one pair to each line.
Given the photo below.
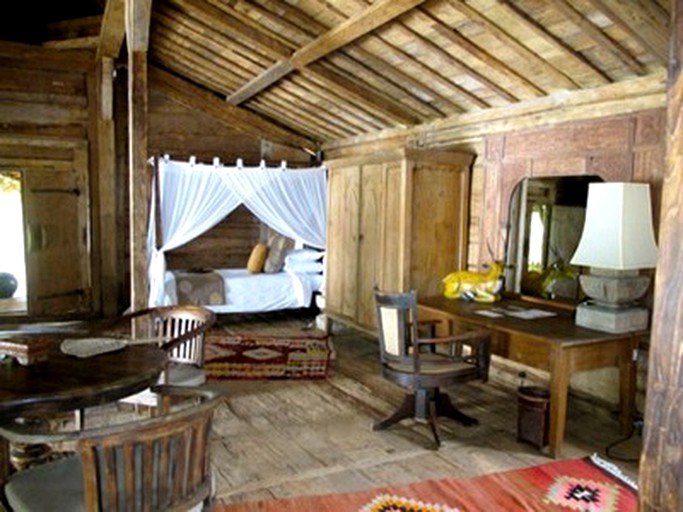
253, 293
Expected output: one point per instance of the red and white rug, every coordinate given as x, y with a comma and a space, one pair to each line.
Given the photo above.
588, 484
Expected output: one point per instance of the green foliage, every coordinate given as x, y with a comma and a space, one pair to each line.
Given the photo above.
10, 181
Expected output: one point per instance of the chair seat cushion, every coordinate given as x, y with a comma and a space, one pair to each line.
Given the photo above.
434, 364
56, 485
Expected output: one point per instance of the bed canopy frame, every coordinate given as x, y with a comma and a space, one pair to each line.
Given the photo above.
194, 197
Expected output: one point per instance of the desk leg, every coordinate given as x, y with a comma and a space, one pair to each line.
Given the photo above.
559, 388
627, 384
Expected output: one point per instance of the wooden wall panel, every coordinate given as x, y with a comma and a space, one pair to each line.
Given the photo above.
623, 148
227, 245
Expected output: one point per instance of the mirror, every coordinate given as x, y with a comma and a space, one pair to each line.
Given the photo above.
545, 223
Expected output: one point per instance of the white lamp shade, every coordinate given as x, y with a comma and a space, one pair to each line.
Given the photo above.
617, 232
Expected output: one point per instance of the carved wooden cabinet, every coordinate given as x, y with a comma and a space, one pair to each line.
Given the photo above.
396, 219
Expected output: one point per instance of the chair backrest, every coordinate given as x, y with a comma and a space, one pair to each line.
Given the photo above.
160, 463
180, 330
402, 345
397, 324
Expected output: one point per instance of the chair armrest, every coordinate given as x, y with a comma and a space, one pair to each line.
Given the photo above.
468, 338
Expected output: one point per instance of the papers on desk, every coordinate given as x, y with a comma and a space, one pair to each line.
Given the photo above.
516, 312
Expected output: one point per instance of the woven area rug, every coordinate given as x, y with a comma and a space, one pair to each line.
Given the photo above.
267, 350
587, 484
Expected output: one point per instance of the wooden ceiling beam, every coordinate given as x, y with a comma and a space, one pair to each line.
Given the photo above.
525, 53
639, 24
379, 13
233, 26
597, 35
191, 96
112, 30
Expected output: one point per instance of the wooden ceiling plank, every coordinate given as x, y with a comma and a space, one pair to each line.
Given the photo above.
113, 29
597, 74
525, 53
302, 122
352, 91
224, 22
220, 53
597, 35
379, 13
632, 19
242, 120
499, 66
387, 82
194, 31
304, 112
451, 60
403, 80
183, 60
343, 108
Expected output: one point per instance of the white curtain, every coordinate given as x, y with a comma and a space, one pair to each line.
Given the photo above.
195, 197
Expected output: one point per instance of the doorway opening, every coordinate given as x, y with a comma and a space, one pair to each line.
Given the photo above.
13, 292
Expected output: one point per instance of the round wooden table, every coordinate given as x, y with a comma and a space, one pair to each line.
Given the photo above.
62, 382
68, 383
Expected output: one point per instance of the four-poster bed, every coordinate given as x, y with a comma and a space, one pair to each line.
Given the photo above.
190, 198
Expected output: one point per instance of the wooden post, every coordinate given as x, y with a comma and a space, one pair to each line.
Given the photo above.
662, 456
138, 14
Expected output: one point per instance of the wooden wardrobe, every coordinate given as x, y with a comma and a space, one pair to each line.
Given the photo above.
397, 220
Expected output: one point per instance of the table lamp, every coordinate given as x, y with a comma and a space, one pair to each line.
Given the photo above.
617, 241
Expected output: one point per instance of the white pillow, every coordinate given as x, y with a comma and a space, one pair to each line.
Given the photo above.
304, 267
301, 255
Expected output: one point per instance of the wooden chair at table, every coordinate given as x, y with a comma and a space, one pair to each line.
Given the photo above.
179, 330
425, 365
160, 463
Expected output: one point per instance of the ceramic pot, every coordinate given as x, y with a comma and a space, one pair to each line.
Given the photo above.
8, 285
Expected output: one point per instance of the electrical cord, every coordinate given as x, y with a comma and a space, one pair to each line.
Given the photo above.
637, 425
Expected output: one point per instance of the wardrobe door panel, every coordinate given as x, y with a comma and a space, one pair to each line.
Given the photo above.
341, 256
369, 246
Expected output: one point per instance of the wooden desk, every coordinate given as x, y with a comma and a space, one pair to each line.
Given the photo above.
67, 383
555, 344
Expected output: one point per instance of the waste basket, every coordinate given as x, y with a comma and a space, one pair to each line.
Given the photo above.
533, 415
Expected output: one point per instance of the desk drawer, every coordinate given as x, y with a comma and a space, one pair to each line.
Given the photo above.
522, 349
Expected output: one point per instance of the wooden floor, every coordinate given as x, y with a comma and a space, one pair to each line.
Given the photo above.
276, 439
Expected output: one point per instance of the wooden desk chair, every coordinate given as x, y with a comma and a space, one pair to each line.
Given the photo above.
160, 463
180, 331
425, 364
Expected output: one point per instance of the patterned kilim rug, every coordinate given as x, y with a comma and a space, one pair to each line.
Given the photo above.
589, 484
267, 349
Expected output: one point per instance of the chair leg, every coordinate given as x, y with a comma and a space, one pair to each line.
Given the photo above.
433, 425
406, 410
445, 408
